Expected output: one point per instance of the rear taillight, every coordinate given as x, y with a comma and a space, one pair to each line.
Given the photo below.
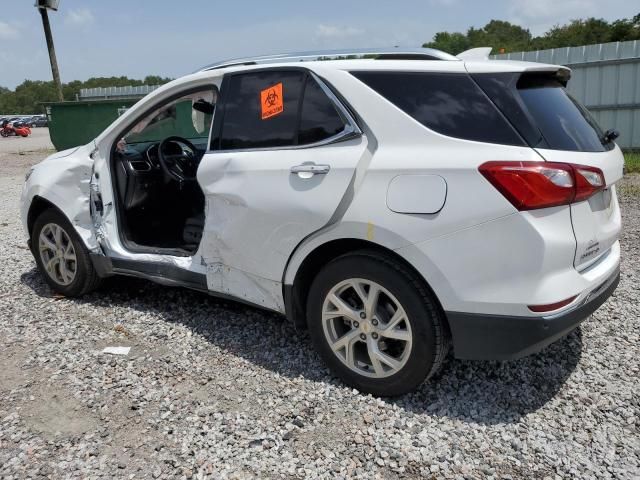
533, 185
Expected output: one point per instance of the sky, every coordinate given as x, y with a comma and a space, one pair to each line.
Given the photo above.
172, 38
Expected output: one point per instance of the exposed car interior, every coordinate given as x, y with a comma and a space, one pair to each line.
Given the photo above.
160, 205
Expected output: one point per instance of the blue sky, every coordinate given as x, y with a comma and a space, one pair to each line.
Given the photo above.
171, 38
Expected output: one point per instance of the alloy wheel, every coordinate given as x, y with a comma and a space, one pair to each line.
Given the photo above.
367, 328
57, 254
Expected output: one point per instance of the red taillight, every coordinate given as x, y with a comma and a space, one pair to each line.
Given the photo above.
552, 306
533, 185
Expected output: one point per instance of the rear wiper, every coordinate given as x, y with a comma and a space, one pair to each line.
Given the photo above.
609, 136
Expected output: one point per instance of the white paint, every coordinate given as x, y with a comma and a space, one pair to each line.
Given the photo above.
417, 194
478, 253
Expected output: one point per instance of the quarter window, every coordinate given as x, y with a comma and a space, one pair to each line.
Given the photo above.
276, 109
319, 119
450, 104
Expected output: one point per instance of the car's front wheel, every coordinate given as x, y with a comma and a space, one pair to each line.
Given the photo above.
61, 255
375, 324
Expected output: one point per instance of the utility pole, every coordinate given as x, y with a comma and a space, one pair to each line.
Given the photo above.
52, 50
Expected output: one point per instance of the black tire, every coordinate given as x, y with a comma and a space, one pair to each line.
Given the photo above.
429, 335
86, 279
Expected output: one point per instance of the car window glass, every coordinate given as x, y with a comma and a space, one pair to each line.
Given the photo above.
176, 118
450, 104
261, 110
563, 121
319, 119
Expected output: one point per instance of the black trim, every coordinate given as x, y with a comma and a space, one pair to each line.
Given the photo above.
164, 273
173, 276
501, 337
102, 264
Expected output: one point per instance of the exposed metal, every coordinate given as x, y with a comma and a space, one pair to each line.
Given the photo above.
117, 92
367, 328
605, 77
57, 254
349, 54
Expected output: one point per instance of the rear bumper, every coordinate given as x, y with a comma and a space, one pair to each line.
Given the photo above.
504, 337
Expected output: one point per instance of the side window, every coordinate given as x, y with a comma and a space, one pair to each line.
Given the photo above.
319, 119
261, 110
450, 104
178, 117
276, 109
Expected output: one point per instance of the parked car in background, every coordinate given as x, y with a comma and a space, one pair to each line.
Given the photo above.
394, 203
40, 121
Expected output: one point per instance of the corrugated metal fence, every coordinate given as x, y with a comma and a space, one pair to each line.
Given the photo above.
606, 78
116, 92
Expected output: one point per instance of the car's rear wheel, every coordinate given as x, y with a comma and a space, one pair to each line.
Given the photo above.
61, 255
376, 324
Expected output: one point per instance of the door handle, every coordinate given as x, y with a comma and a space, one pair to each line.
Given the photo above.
310, 169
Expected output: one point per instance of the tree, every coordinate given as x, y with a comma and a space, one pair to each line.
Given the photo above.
28, 97
512, 38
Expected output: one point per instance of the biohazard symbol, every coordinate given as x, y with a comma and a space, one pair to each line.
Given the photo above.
272, 101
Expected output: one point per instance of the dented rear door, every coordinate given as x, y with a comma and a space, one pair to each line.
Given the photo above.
280, 169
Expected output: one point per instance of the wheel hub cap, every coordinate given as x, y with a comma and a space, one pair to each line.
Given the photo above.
57, 254
367, 328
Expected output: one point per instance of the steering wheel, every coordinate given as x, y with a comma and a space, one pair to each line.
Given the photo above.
178, 166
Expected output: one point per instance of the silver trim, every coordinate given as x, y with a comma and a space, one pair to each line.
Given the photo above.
311, 168
347, 54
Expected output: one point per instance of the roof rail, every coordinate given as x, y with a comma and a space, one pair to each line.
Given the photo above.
350, 54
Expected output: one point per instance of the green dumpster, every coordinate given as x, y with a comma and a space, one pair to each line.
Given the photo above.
77, 123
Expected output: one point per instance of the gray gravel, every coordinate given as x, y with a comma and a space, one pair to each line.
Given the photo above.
212, 389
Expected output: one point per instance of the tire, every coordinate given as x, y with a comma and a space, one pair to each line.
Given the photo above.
424, 345
78, 276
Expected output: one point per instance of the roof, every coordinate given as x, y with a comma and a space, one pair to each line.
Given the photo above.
349, 54
473, 61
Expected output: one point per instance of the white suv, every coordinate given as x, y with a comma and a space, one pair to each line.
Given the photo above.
393, 202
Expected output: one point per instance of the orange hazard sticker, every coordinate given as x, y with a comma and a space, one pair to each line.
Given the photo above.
272, 101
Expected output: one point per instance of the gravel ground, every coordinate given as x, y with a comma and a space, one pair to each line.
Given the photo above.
211, 389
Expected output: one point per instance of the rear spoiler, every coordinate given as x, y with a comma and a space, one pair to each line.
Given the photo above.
480, 53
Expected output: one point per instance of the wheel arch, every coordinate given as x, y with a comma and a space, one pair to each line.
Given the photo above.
38, 206
296, 293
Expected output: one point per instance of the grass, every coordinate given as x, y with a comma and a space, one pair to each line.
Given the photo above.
632, 162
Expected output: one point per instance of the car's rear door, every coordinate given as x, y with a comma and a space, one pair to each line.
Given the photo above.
284, 153
572, 135
562, 130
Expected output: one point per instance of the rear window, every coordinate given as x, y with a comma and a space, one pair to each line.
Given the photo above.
543, 112
563, 122
450, 104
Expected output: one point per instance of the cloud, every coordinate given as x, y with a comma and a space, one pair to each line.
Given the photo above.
541, 14
81, 17
332, 31
8, 31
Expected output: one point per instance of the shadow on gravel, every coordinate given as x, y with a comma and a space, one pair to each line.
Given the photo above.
472, 392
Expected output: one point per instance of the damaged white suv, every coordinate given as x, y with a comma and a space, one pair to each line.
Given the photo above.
395, 203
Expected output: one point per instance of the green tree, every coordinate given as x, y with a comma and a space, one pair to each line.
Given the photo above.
27, 98
504, 35
453, 43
